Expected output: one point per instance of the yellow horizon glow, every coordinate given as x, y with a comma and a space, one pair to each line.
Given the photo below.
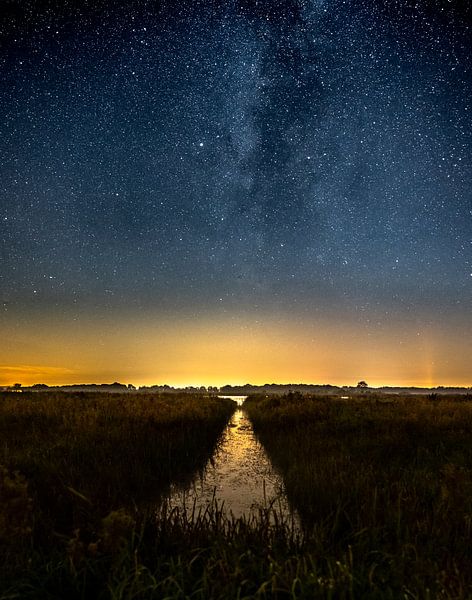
30, 375
234, 350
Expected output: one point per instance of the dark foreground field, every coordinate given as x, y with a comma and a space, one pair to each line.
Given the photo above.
78, 471
383, 487
384, 492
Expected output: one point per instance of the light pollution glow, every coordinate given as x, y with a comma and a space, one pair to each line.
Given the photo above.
227, 192
220, 350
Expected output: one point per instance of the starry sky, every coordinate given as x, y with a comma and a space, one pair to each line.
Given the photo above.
211, 192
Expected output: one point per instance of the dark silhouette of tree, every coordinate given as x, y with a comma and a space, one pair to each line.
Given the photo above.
362, 384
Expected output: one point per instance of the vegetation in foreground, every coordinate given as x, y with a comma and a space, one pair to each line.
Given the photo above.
68, 460
383, 490
114, 449
384, 481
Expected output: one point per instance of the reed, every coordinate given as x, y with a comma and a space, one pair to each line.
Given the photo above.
83, 454
383, 489
386, 481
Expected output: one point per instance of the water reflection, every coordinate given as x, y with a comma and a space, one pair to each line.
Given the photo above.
240, 475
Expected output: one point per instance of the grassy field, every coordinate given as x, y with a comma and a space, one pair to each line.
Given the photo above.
383, 488
69, 459
115, 449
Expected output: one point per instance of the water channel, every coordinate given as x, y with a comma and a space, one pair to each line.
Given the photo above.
240, 475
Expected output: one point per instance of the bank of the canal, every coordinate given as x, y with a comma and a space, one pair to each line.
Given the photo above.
239, 476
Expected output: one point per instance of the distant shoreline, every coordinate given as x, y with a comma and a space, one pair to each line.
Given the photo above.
243, 390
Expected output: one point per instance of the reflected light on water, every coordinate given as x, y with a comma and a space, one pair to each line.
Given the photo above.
240, 475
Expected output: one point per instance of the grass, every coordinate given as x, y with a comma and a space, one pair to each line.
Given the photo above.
68, 459
166, 555
383, 490
112, 448
385, 481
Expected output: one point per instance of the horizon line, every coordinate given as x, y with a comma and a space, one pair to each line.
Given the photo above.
197, 386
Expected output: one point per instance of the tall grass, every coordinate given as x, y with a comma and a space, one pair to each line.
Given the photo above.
176, 555
384, 492
72, 458
388, 483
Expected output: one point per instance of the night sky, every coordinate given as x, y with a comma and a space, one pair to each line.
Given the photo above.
219, 192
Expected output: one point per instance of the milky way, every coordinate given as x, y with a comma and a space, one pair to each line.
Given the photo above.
307, 156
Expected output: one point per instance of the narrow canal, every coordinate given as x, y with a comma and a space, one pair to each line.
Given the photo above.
239, 475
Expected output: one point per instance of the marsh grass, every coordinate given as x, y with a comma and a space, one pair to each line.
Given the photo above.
383, 490
172, 553
72, 458
387, 481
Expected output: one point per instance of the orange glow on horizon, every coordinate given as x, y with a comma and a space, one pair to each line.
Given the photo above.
233, 350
